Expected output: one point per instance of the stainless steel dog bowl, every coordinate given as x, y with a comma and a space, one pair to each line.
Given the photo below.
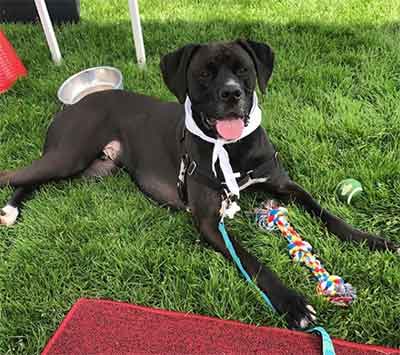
88, 81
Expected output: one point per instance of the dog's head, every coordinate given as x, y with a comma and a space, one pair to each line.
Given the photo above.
219, 79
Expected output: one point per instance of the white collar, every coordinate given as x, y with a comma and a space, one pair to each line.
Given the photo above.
219, 152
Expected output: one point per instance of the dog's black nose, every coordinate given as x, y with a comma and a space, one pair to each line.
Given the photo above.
230, 92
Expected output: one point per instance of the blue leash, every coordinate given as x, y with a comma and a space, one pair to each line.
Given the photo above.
327, 345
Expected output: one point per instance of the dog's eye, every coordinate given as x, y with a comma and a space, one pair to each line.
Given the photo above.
241, 71
205, 74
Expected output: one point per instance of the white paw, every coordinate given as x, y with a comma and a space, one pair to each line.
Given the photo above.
8, 215
306, 321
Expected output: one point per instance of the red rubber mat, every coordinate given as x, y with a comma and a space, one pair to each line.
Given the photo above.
108, 327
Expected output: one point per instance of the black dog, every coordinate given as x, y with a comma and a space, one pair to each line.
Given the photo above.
147, 137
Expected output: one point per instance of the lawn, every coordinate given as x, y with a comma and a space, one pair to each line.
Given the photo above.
332, 110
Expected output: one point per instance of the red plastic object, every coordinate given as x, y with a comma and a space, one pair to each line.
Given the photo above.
11, 67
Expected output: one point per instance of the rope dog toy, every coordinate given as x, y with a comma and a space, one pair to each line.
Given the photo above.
271, 217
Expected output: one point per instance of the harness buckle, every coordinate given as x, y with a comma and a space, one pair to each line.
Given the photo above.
191, 168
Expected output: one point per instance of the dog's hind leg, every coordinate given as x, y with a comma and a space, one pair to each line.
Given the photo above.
10, 212
56, 165
53, 165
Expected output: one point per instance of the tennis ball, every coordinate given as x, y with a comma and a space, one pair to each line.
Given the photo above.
349, 190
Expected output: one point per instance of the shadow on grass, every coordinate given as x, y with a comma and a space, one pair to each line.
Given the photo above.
318, 55
309, 43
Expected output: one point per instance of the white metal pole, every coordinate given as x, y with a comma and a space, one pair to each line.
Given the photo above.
137, 32
48, 30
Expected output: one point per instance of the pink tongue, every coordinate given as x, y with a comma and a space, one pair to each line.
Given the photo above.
230, 129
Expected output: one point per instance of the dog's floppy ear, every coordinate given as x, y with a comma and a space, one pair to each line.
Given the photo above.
263, 58
174, 67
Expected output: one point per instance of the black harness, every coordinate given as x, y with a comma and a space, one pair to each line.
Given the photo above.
189, 167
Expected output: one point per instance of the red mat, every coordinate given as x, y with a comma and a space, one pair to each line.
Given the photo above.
106, 327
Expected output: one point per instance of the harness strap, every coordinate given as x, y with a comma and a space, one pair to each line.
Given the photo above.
181, 183
190, 168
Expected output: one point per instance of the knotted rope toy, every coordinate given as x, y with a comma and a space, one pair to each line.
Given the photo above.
271, 217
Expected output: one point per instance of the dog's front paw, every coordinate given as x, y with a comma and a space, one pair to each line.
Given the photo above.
298, 313
374, 242
8, 215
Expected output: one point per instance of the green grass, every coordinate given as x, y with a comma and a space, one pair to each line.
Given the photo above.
332, 110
